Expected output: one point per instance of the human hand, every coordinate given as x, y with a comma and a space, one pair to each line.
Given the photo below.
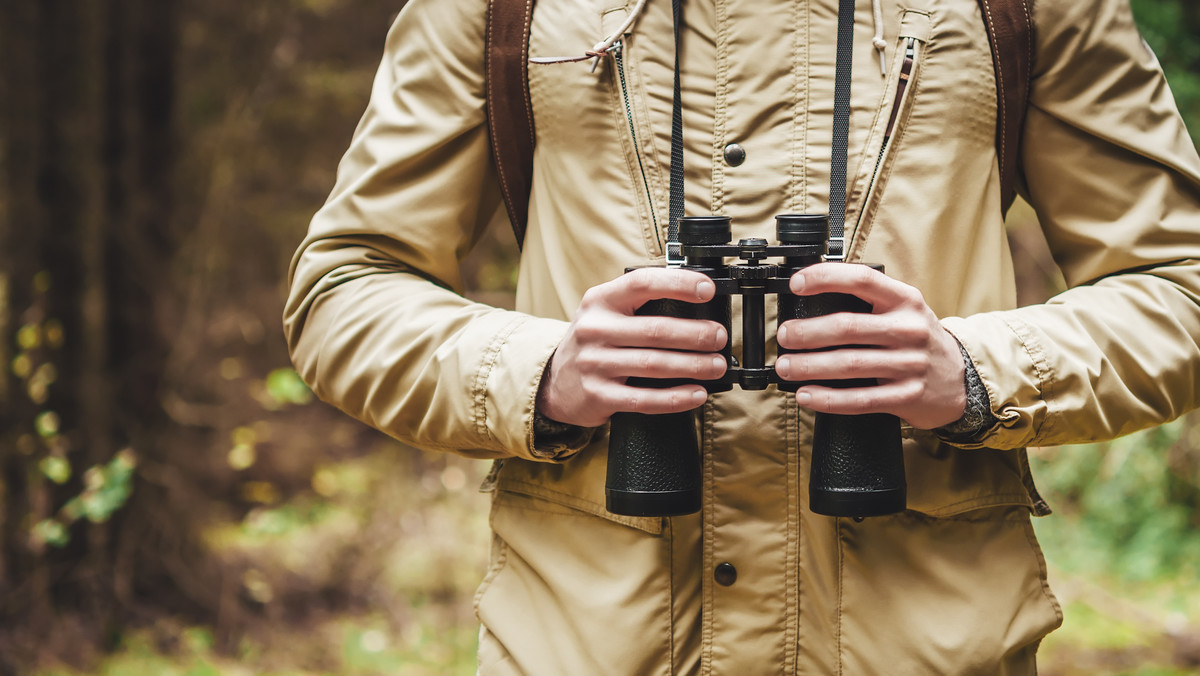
607, 343
916, 363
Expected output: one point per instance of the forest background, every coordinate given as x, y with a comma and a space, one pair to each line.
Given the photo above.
173, 501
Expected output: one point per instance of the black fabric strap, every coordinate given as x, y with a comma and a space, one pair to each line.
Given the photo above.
841, 139
675, 208
841, 131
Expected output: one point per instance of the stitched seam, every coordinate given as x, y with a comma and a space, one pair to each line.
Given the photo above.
1041, 370
489, 62
719, 109
999, 63
479, 390
805, 72
1028, 43
584, 507
791, 560
946, 512
1036, 549
493, 570
525, 67
797, 158
669, 539
841, 585
706, 553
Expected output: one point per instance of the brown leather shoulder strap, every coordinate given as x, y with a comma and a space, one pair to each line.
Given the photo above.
509, 111
1010, 31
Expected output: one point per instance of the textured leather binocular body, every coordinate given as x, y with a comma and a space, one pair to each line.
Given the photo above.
654, 460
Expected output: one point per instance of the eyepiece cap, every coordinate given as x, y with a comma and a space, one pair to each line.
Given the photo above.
705, 230
811, 229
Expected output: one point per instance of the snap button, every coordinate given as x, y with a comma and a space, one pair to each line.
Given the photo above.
734, 154
725, 574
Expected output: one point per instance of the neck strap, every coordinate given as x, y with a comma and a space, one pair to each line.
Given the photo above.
841, 135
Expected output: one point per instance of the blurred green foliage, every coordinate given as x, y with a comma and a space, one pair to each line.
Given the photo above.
1139, 502
1172, 29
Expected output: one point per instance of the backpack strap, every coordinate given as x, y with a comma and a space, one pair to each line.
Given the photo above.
508, 108
1010, 32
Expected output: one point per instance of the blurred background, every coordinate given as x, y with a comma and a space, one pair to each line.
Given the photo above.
173, 501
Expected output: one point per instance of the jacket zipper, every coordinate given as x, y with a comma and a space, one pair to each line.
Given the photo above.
618, 50
901, 87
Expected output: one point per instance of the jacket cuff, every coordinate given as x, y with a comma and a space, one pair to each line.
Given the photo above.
1014, 372
506, 394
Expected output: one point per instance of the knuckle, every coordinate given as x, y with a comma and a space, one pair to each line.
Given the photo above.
592, 298
641, 280
909, 332
590, 361
864, 400
655, 331
846, 322
588, 330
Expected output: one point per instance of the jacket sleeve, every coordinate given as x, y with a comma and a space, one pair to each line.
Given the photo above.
374, 318
1115, 181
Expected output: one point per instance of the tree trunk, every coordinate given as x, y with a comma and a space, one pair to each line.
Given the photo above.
86, 242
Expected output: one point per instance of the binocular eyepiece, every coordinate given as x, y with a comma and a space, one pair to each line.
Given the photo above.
654, 460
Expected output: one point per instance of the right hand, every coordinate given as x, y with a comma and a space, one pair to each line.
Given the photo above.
607, 343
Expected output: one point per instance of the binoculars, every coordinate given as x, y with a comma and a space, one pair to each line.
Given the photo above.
654, 460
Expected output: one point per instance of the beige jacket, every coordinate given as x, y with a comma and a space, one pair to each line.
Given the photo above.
955, 585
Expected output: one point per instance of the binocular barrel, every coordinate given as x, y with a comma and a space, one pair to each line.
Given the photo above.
654, 460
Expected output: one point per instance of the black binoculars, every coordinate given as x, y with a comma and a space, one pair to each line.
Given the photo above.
654, 460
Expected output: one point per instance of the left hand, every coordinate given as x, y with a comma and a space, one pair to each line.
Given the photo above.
916, 363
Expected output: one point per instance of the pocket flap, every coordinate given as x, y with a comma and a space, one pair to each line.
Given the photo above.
577, 484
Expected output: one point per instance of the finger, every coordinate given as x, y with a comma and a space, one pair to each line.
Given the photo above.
632, 290
853, 328
885, 398
669, 333
862, 281
852, 363
642, 363
654, 401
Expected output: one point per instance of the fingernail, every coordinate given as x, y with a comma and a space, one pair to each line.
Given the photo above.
722, 337
781, 333
803, 398
699, 397
783, 368
705, 288
797, 283
719, 363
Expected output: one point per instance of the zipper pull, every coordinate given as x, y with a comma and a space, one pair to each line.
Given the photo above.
905, 74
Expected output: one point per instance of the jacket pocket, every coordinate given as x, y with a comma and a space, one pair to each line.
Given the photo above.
570, 594
571, 488
960, 595
887, 132
945, 481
